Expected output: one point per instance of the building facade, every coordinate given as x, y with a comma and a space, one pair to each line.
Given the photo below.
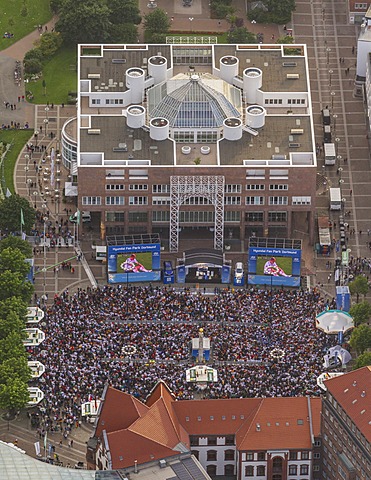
346, 427
176, 137
249, 438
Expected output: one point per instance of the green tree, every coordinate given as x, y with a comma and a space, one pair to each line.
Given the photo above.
32, 54
49, 43
13, 285
124, 33
32, 66
84, 21
360, 339
361, 312
286, 40
363, 360
124, 12
241, 35
16, 242
12, 346
11, 323
10, 214
14, 394
359, 286
15, 367
13, 305
156, 22
221, 9
14, 261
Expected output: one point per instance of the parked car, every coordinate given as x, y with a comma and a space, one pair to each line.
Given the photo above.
238, 271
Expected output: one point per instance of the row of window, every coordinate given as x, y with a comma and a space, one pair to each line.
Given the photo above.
212, 439
293, 455
212, 455
108, 101
259, 470
229, 188
290, 101
228, 200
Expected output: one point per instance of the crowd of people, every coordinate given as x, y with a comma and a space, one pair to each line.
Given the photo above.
87, 335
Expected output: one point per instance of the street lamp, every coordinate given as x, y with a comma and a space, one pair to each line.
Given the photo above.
36, 134
330, 73
328, 50
35, 194
332, 99
46, 111
29, 181
335, 117
337, 140
190, 22
46, 121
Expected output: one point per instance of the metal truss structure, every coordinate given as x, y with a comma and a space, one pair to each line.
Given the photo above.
183, 187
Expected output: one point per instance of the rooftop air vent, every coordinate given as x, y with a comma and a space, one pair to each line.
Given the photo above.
289, 64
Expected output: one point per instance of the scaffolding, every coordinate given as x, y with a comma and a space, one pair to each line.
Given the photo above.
183, 187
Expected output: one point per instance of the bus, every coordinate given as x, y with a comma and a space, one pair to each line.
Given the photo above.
335, 199
330, 153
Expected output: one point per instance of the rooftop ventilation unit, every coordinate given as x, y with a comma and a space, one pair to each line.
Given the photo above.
289, 64
94, 76
119, 60
162, 463
94, 131
297, 131
292, 76
294, 145
278, 157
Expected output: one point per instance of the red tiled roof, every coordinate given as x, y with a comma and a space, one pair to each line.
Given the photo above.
130, 447
316, 408
352, 392
157, 425
215, 417
119, 410
275, 425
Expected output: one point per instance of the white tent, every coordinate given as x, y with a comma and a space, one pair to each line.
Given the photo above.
334, 321
336, 357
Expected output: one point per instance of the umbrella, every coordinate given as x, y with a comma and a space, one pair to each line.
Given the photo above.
336, 357
334, 321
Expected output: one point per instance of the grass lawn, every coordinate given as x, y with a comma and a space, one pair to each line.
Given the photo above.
19, 138
60, 76
21, 20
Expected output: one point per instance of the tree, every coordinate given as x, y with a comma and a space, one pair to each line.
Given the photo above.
14, 394
156, 22
84, 21
49, 43
286, 40
361, 312
360, 339
14, 261
241, 35
359, 286
16, 242
11, 216
123, 33
32, 66
11, 323
363, 360
124, 12
15, 285
12, 346
15, 367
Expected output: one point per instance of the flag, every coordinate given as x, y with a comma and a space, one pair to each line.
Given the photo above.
22, 217
8, 193
45, 440
78, 217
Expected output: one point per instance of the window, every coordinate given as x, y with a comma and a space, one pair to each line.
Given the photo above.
138, 217
197, 201
316, 468
261, 456
91, 200
229, 470
115, 216
193, 440
293, 469
317, 455
95, 101
115, 174
211, 470
249, 471
160, 188
211, 455
229, 439
195, 453
228, 454
254, 200
304, 469
317, 443
115, 200
279, 186
293, 456
277, 216
160, 200
135, 186
305, 455
160, 216
301, 200
138, 200
249, 456
260, 470
255, 186
278, 200
232, 216
114, 186
255, 174
279, 174
254, 216
211, 440
232, 200
232, 188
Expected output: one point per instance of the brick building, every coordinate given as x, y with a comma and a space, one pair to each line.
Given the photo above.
346, 426
173, 138
249, 438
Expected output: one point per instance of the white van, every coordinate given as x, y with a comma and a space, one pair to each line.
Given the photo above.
335, 199
330, 153
238, 271
85, 217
